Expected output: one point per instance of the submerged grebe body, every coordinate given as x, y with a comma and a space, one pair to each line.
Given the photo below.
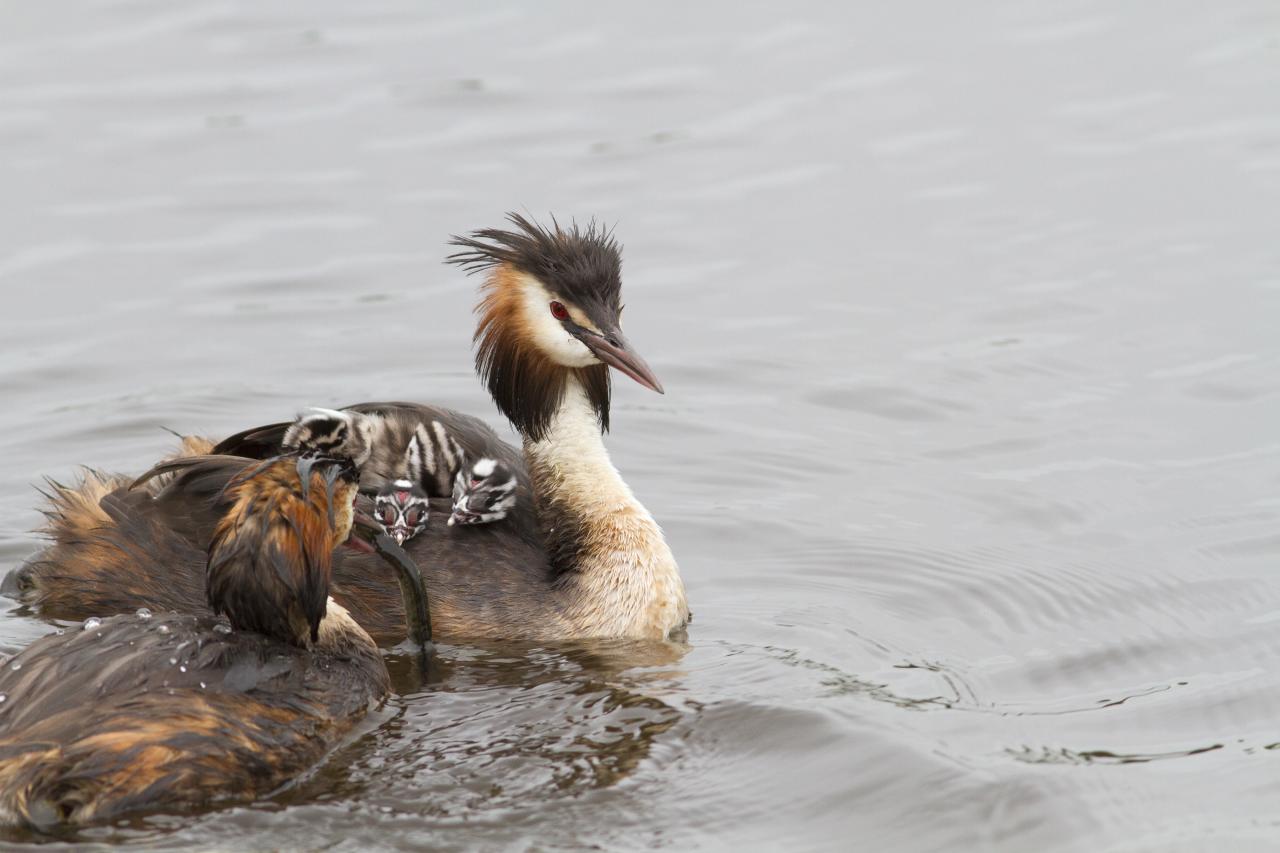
577, 554
173, 711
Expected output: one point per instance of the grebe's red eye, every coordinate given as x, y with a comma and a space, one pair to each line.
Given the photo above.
559, 311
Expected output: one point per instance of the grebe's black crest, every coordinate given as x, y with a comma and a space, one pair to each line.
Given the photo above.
581, 266
584, 265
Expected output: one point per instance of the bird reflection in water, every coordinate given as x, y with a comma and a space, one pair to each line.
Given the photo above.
510, 723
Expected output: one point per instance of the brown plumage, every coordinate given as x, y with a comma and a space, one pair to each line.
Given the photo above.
173, 711
271, 554
578, 557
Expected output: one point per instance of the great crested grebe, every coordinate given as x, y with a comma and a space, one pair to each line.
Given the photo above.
578, 555
175, 710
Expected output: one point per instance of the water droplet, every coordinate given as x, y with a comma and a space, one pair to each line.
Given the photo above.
3, 698
222, 628
144, 613
173, 661
60, 631
16, 665
202, 685
182, 668
163, 629
91, 623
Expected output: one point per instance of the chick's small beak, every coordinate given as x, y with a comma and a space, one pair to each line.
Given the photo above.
614, 350
399, 534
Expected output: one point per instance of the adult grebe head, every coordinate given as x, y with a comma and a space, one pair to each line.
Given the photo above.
551, 308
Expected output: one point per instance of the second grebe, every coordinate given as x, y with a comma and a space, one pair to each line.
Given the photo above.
173, 710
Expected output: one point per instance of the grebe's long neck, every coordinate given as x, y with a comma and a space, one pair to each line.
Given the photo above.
615, 573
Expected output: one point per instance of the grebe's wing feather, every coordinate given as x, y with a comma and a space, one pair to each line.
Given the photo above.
256, 442
182, 463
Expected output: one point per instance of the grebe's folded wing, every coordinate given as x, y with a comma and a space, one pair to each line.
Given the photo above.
257, 442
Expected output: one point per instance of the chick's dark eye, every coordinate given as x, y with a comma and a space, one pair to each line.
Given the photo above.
559, 311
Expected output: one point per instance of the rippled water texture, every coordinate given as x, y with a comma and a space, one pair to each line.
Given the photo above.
969, 319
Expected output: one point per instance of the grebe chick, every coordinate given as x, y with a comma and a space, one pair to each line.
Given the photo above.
426, 464
174, 711
483, 494
402, 509
386, 445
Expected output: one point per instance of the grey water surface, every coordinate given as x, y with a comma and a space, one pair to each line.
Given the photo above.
969, 320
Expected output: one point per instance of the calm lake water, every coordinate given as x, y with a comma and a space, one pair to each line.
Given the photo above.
968, 317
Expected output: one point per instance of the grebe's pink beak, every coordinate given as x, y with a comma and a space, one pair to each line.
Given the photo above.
614, 350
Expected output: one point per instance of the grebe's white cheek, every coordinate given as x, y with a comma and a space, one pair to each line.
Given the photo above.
560, 346
547, 332
572, 353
